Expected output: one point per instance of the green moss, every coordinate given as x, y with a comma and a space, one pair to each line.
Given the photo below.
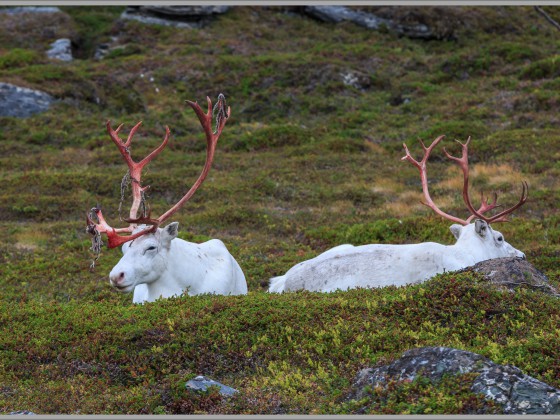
94, 25
259, 138
546, 68
18, 58
451, 395
240, 339
456, 130
127, 50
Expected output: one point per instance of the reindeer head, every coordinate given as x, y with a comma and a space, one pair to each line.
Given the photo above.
140, 225
485, 241
145, 258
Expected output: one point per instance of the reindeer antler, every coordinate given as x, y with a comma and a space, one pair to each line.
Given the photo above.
135, 173
463, 163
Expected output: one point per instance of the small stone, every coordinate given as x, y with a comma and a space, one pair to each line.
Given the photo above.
201, 383
61, 49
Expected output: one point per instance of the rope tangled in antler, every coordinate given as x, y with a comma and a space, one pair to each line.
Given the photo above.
125, 182
96, 242
220, 111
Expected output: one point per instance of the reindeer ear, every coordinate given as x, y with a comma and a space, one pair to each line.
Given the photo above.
169, 233
125, 247
480, 227
456, 230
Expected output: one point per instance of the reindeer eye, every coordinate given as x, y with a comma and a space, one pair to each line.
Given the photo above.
150, 248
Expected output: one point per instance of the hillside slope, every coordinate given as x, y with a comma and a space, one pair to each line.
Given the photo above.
310, 159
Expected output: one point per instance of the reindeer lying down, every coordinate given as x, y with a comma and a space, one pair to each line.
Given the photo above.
157, 264
378, 265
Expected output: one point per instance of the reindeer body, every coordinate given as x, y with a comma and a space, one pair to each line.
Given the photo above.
379, 265
160, 265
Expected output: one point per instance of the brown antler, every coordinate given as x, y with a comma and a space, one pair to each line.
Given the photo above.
135, 173
463, 162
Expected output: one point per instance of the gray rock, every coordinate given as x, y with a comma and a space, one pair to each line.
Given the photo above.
505, 385
22, 413
16, 101
512, 273
186, 11
356, 79
202, 383
29, 9
61, 49
336, 14
176, 16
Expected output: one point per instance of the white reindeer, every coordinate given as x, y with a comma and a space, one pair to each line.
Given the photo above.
157, 264
378, 265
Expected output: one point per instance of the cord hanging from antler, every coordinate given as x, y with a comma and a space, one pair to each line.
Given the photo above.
463, 163
135, 173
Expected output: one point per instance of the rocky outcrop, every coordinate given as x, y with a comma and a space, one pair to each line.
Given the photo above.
513, 273
29, 9
16, 101
336, 14
506, 385
177, 16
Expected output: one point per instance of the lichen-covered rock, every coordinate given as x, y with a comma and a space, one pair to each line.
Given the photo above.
186, 10
61, 49
16, 101
506, 385
513, 273
338, 14
29, 9
202, 383
177, 16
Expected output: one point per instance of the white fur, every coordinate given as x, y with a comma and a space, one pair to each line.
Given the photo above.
162, 265
377, 265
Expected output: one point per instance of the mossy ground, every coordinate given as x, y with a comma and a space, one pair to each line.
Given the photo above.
306, 162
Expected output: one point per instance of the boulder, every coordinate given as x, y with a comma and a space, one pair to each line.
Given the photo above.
61, 49
336, 14
177, 16
512, 273
16, 101
506, 385
186, 11
29, 9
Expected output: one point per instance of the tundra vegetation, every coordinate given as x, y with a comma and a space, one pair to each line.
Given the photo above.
310, 159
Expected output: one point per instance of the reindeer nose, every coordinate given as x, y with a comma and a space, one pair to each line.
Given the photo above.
117, 278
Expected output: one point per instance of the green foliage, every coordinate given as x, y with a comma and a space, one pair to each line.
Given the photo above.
455, 130
452, 395
385, 231
18, 58
542, 69
94, 24
247, 342
306, 162
259, 138
127, 50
